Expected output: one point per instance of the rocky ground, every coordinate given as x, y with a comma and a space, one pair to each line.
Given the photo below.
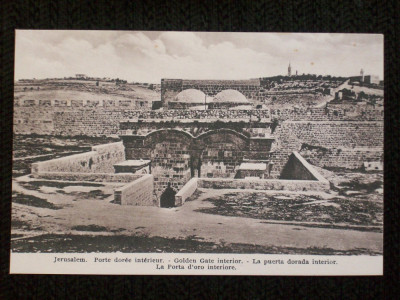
355, 201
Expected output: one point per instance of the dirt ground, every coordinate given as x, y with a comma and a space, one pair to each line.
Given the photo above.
354, 201
80, 217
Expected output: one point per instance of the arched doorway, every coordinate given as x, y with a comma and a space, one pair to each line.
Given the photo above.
169, 152
222, 151
167, 198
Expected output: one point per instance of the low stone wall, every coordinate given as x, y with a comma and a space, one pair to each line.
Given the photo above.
100, 160
138, 192
95, 177
188, 189
298, 175
263, 184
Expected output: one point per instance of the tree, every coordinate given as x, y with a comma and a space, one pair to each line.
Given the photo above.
362, 95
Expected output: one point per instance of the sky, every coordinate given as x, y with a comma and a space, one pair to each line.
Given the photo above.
148, 56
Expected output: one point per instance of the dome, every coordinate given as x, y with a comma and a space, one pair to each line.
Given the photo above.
230, 96
190, 96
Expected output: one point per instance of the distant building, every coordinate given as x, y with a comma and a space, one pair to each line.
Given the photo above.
80, 76
345, 94
371, 79
289, 70
355, 79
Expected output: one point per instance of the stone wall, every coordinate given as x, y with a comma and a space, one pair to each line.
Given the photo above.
170, 160
100, 160
347, 143
184, 193
29, 120
341, 144
141, 104
221, 154
176, 156
349, 158
138, 192
94, 177
263, 184
70, 121
196, 127
334, 134
169, 152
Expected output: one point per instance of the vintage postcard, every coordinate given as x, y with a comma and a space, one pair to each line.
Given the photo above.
217, 153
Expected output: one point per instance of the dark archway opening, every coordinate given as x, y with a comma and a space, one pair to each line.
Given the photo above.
167, 198
195, 165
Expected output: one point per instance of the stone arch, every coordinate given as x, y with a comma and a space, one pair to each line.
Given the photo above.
167, 134
167, 198
169, 151
220, 152
223, 131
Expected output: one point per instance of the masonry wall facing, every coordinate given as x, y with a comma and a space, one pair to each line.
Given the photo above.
263, 184
100, 160
103, 121
138, 192
331, 144
176, 156
186, 191
94, 177
348, 144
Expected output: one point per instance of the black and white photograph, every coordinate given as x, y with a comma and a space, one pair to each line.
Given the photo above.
197, 153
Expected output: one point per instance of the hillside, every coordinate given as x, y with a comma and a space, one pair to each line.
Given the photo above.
82, 90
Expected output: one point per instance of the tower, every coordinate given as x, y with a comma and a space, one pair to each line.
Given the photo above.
289, 70
362, 75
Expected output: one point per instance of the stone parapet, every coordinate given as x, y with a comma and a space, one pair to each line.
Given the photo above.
263, 184
100, 160
186, 191
92, 177
138, 192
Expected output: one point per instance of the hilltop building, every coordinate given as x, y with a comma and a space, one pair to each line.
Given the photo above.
368, 79
371, 79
